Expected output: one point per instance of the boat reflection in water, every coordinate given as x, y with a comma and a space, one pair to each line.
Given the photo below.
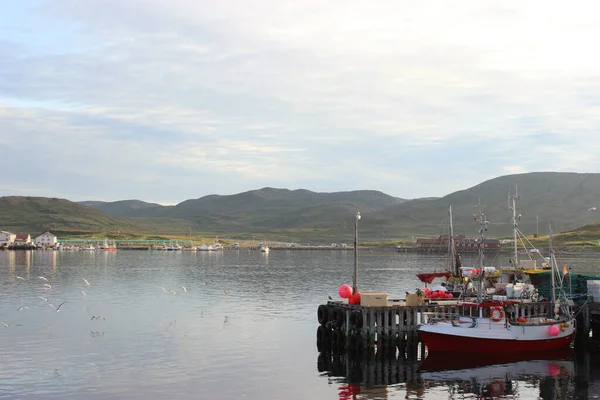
547, 375
382, 375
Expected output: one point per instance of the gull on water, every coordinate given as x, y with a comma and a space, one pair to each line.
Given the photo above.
86, 282
43, 298
226, 292
20, 277
42, 278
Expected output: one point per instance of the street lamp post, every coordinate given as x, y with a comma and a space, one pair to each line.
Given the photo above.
355, 276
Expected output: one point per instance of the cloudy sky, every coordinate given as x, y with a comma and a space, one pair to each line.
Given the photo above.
169, 100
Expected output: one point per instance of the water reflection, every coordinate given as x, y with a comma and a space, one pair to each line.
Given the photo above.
552, 373
374, 375
371, 375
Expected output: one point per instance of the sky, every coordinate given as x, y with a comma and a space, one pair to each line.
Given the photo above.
165, 101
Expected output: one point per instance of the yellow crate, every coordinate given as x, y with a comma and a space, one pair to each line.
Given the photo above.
373, 299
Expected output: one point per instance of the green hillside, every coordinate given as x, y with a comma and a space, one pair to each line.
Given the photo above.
302, 215
563, 198
41, 214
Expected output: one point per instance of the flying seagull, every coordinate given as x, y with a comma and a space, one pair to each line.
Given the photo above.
42, 278
20, 277
58, 308
97, 317
86, 282
226, 292
184, 289
83, 293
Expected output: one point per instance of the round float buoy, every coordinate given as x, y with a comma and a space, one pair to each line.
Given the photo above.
553, 330
354, 299
323, 314
345, 291
521, 319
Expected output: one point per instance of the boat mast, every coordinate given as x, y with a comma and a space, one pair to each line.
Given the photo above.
483, 222
355, 275
552, 263
513, 206
453, 263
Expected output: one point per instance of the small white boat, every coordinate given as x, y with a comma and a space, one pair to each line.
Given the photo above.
204, 248
264, 249
216, 247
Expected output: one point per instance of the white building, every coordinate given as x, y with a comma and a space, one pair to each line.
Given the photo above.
46, 239
7, 238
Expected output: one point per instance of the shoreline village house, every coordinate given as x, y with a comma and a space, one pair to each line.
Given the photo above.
46, 239
7, 238
461, 242
22, 239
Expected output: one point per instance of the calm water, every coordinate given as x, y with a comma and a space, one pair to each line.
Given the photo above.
256, 342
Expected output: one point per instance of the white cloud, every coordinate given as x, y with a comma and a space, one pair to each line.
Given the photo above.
308, 89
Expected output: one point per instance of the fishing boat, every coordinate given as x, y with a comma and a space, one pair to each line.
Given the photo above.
488, 325
108, 247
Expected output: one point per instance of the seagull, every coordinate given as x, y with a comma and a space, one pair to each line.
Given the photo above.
86, 282
97, 317
48, 285
5, 324
203, 282
184, 289
43, 298
20, 308
58, 308
226, 292
56, 372
42, 278
164, 290
20, 277
83, 293
329, 297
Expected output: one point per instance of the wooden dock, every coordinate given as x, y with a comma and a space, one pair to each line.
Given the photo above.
356, 329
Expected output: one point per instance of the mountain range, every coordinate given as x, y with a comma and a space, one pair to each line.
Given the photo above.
566, 199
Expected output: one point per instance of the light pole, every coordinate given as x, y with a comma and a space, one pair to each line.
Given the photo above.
355, 277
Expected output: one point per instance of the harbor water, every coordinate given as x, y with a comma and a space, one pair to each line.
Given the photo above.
233, 324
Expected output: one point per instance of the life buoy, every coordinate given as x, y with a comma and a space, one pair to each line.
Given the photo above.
497, 388
496, 313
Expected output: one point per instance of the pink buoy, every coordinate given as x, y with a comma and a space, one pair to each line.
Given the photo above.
435, 295
553, 369
554, 330
345, 291
450, 296
354, 299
